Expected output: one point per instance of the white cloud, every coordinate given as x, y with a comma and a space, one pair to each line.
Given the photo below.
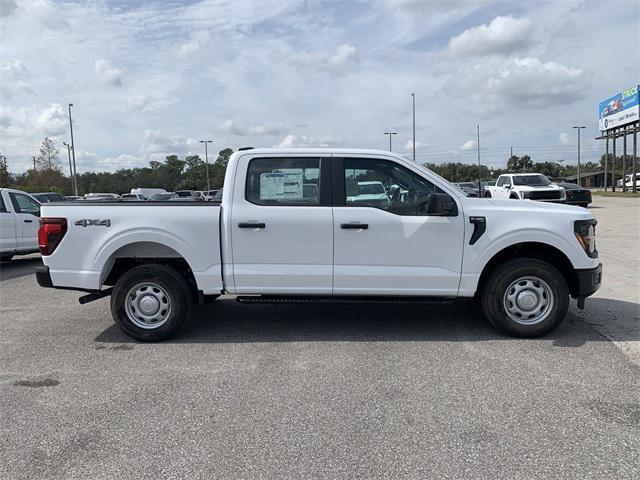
157, 145
503, 35
563, 138
468, 145
229, 126
419, 145
52, 121
141, 103
344, 55
198, 39
108, 73
302, 141
525, 82
431, 6
14, 75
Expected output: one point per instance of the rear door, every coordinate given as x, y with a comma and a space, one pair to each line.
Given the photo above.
385, 246
282, 225
27, 220
8, 232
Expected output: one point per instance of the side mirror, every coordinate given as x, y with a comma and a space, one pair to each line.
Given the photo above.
441, 204
507, 186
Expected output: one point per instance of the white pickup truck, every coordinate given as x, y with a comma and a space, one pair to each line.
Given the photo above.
526, 186
272, 240
19, 214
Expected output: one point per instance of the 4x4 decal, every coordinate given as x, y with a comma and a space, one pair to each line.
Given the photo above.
86, 222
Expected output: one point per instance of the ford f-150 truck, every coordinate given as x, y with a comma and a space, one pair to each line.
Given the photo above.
273, 239
526, 186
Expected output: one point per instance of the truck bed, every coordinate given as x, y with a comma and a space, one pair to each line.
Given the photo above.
100, 232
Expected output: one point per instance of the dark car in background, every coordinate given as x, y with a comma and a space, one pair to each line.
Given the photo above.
46, 197
576, 195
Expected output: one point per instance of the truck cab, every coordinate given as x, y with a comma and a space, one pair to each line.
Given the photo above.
19, 214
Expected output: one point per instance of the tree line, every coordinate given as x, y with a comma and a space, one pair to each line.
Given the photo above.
171, 174
190, 173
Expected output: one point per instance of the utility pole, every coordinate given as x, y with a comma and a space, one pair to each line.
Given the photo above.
34, 163
70, 166
390, 133
579, 179
413, 98
206, 161
479, 180
73, 152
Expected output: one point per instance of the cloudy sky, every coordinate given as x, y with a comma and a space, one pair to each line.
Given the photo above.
152, 78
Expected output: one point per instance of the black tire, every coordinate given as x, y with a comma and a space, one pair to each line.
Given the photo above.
494, 291
172, 288
487, 194
584, 205
5, 257
514, 196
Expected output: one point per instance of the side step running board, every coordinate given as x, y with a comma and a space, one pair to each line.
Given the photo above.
341, 300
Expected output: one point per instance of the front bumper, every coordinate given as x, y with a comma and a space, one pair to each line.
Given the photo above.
589, 281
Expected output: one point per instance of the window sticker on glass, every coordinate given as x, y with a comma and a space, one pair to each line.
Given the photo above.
282, 185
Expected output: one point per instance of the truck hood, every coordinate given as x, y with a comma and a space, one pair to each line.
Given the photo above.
489, 206
528, 188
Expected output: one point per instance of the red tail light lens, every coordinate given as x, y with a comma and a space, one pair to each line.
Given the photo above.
50, 234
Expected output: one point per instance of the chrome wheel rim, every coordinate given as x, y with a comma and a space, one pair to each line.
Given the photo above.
528, 300
148, 305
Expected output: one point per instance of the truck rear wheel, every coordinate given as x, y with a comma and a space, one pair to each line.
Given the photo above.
525, 297
151, 302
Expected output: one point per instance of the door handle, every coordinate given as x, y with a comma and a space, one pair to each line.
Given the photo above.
252, 225
28, 221
354, 226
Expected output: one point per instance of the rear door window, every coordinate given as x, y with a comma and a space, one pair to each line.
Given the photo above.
283, 181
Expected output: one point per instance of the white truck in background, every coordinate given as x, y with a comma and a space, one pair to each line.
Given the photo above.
271, 240
526, 186
19, 214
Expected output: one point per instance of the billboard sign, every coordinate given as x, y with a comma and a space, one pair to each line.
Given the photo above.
621, 109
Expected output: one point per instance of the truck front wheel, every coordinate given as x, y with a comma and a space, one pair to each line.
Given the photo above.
151, 302
525, 297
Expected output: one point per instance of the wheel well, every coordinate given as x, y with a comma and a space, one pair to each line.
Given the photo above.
541, 251
514, 196
144, 253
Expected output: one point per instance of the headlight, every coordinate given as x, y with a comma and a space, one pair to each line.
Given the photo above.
525, 195
563, 193
585, 232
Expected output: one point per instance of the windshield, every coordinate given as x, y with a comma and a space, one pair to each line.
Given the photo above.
531, 180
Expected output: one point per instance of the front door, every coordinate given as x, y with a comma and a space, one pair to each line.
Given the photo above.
282, 225
8, 232
385, 243
27, 213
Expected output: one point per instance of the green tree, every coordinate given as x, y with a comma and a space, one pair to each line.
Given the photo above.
47, 159
5, 178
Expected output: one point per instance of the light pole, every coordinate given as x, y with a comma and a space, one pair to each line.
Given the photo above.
73, 152
70, 166
390, 133
479, 179
413, 98
206, 161
579, 128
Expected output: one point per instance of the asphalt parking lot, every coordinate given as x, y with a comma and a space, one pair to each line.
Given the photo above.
251, 391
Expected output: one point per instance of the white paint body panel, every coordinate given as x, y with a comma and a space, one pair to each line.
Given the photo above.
303, 250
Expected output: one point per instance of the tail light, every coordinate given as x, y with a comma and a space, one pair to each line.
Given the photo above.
50, 234
585, 231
